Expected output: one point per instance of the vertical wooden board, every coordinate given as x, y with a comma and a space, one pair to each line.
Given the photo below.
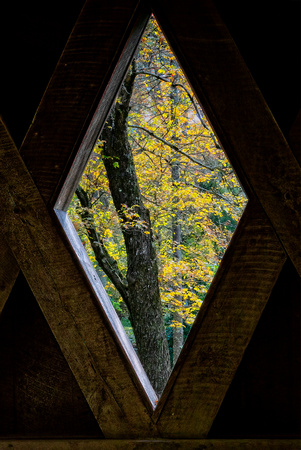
38, 393
76, 87
74, 315
223, 329
238, 113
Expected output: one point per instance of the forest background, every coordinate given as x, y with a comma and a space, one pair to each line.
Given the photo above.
157, 206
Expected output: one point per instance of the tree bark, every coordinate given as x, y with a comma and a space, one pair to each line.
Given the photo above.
178, 332
143, 299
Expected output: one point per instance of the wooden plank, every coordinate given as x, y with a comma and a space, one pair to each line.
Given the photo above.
8, 267
222, 329
9, 270
126, 444
81, 77
238, 113
38, 393
263, 398
47, 191
102, 110
85, 75
76, 318
99, 290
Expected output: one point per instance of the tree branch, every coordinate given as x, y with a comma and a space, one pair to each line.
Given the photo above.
174, 147
199, 115
216, 194
104, 259
166, 80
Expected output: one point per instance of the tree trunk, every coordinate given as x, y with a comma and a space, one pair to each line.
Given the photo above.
177, 334
143, 298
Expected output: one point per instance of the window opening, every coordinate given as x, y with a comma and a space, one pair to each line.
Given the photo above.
156, 206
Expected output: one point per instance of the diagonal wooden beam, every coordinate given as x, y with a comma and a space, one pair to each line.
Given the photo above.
255, 257
48, 174
223, 329
88, 74
79, 324
101, 38
238, 112
9, 270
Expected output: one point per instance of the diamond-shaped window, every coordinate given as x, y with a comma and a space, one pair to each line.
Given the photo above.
156, 206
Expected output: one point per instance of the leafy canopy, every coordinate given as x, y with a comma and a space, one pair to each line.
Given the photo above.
185, 180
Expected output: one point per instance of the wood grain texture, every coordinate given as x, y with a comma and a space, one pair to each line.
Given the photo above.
222, 329
163, 444
238, 113
9, 270
105, 302
295, 137
75, 316
85, 75
39, 396
88, 343
79, 82
262, 400
102, 109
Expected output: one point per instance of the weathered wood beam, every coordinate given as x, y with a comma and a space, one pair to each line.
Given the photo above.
9, 270
88, 73
80, 327
76, 318
164, 444
79, 82
238, 113
295, 137
223, 329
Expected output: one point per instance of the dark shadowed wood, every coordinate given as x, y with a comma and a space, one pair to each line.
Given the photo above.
276, 71
79, 82
33, 37
38, 393
295, 137
263, 397
238, 113
85, 75
99, 290
102, 111
159, 444
223, 329
9, 270
75, 316
81, 77
239, 292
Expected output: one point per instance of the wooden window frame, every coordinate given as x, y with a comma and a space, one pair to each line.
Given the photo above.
267, 233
